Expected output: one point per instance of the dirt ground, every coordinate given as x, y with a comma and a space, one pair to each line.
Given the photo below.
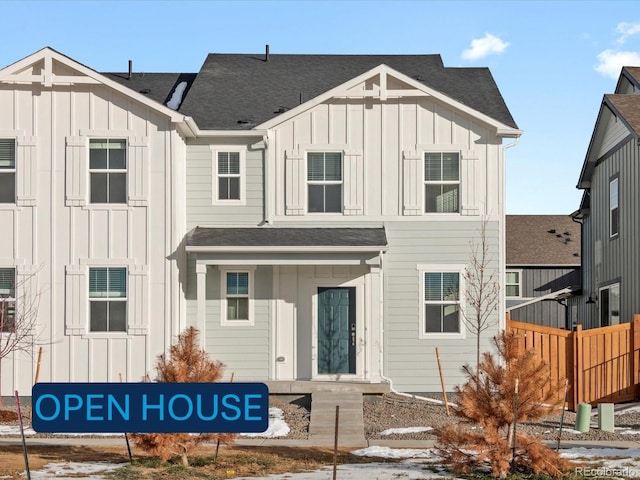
232, 461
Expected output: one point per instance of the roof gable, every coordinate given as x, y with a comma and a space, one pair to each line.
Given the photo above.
236, 92
382, 83
49, 68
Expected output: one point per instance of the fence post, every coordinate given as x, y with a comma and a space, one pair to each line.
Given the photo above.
577, 366
634, 360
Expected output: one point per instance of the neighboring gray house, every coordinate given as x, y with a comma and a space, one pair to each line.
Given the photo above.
310, 214
610, 209
543, 268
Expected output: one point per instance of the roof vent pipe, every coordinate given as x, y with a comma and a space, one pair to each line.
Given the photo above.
266, 53
130, 69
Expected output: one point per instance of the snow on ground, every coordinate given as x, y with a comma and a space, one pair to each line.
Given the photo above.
73, 470
392, 431
277, 426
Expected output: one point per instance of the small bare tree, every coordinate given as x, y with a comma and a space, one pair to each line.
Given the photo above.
19, 302
482, 289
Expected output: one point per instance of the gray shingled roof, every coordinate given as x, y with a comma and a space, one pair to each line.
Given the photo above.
542, 240
287, 237
628, 107
233, 88
156, 86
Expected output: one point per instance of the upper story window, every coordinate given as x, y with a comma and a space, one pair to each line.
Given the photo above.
441, 302
614, 203
108, 299
442, 182
228, 175
7, 170
7, 299
512, 283
324, 182
108, 170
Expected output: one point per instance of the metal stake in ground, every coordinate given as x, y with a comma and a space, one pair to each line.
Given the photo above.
515, 423
335, 444
24, 442
564, 405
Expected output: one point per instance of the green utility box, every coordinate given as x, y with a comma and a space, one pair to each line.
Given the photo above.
583, 417
605, 417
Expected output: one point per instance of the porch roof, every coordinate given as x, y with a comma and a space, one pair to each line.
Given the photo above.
203, 239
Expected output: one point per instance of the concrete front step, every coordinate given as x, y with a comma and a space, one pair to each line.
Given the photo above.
323, 418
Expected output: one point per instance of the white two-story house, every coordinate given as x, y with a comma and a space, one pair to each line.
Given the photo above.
312, 215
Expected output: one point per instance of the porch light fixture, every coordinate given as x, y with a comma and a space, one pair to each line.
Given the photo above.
591, 300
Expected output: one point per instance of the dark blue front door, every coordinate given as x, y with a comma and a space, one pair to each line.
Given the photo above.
336, 330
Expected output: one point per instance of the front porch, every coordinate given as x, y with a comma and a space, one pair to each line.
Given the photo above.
301, 387
295, 307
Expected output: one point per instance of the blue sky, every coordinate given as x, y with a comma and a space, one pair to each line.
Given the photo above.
553, 61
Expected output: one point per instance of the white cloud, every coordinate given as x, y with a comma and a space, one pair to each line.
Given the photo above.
483, 47
626, 30
610, 62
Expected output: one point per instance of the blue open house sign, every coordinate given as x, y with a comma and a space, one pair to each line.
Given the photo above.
150, 407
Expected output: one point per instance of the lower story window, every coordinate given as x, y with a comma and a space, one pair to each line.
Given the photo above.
7, 299
441, 302
108, 299
236, 294
610, 305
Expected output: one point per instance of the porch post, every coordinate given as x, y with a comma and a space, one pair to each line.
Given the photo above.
201, 295
374, 341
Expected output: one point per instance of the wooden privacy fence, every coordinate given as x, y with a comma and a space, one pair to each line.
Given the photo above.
601, 364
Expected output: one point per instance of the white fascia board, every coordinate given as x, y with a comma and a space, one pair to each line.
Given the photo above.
89, 72
382, 69
280, 249
548, 296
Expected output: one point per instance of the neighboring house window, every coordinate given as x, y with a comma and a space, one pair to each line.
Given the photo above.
609, 303
442, 182
108, 299
7, 170
512, 283
228, 175
441, 302
108, 170
614, 210
237, 288
324, 182
7, 299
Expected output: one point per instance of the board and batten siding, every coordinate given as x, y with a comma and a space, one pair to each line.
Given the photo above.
200, 207
617, 259
379, 141
410, 361
245, 350
53, 235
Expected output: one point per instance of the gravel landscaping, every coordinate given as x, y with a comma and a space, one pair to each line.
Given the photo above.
396, 411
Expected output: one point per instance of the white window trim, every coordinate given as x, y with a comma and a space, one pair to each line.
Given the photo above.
308, 182
615, 180
223, 296
109, 170
214, 176
443, 182
444, 268
107, 299
519, 272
